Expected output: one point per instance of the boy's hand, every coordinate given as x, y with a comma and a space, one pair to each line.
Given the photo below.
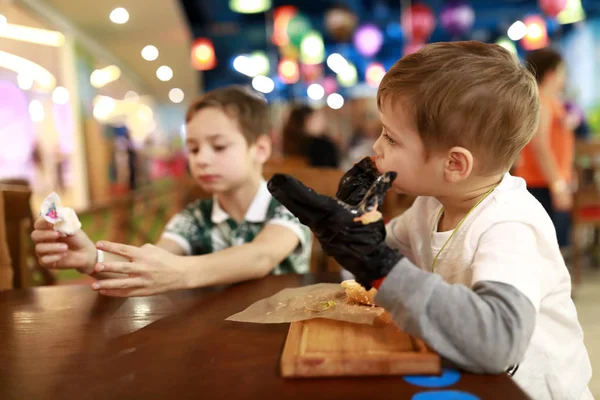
53, 251
150, 270
359, 247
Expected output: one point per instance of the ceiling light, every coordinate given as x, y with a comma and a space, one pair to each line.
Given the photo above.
145, 113
164, 73
263, 84
131, 96
22, 65
336, 62
60, 95
119, 15
517, 31
104, 76
335, 101
36, 111
103, 107
3, 21
249, 6
315, 91
31, 35
25, 81
149, 53
176, 95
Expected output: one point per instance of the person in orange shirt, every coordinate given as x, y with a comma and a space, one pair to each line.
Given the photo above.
546, 163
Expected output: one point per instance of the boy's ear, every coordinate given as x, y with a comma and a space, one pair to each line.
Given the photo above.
458, 164
262, 149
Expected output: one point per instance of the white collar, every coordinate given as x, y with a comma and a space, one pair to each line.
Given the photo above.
257, 212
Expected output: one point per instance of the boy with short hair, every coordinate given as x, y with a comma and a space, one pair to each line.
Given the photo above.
229, 237
492, 292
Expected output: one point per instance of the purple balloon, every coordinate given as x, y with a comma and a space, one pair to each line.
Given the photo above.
368, 40
457, 17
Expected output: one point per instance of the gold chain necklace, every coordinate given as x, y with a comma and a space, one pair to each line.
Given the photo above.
437, 220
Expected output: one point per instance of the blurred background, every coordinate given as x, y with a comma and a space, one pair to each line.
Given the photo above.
93, 96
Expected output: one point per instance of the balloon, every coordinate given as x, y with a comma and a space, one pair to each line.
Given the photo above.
329, 84
311, 72
340, 23
457, 17
412, 48
418, 22
281, 19
289, 51
552, 7
552, 25
368, 40
298, 26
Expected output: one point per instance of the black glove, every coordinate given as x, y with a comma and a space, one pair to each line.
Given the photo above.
358, 247
357, 181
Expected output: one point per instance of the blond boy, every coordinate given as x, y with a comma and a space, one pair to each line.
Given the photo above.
491, 292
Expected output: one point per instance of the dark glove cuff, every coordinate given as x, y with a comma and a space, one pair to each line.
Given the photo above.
380, 263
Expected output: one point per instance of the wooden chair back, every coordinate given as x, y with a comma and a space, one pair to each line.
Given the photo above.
586, 198
6, 268
18, 222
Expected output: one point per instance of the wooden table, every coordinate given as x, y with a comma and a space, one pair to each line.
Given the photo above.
68, 342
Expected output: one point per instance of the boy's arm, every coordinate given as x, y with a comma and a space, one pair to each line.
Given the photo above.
249, 261
486, 328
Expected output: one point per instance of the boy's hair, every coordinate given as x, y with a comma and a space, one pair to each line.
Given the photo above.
467, 94
541, 62
249, 109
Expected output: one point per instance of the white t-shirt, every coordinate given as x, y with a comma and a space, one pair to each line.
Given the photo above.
509, 238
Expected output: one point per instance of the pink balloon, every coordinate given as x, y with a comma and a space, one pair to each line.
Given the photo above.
457, 17
552, 7
368, 40
413, 48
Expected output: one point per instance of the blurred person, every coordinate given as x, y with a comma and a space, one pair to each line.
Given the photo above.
222, 240
306, 134
473, 267
364, 138
547, 162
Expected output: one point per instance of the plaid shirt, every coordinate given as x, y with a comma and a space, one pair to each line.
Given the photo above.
204, 227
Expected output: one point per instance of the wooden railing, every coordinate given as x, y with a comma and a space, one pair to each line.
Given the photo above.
139, 217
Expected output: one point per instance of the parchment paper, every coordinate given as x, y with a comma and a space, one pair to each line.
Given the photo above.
323, 300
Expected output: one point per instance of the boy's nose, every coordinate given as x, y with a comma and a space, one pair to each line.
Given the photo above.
376, 147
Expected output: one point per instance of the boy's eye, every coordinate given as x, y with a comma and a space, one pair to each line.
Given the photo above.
193, 150
389, 139
220, 148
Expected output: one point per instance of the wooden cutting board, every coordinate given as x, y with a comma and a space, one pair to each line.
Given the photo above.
324, 347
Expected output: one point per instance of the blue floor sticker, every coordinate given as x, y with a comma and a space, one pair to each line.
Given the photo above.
449, 377
445, 395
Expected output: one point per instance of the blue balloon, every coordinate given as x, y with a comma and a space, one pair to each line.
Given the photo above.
394, 30
552, 25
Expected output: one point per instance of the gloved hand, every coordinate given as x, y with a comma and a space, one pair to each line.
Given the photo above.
355, 183
357, 244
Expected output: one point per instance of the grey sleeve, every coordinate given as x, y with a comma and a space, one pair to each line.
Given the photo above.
484, 329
